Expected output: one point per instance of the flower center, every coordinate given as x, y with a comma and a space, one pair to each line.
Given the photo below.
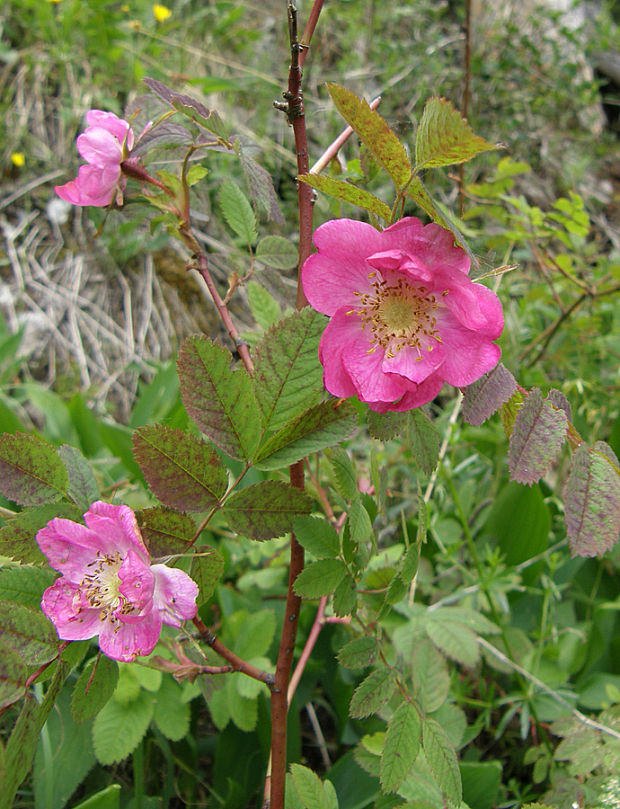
101, 585
398, 315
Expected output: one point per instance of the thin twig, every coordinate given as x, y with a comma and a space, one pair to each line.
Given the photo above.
235, 661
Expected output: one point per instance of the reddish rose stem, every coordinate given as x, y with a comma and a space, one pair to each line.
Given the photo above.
235, 661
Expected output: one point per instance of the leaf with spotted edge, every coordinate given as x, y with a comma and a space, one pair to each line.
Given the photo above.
485, 396
372, 693
31, 472
401, 747
538, 433
218, 399
373, 131
17, 536
265, 510
592, 500
183, 471
165, 532
441, 758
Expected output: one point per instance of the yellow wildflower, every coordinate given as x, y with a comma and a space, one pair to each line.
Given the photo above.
18, 159
161, 13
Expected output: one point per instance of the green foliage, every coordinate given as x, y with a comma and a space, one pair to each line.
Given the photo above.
31, 473
265, 510
237, 212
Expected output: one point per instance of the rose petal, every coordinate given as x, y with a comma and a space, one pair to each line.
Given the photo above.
175, 594
70, 547
99, 147
125, 641
137, 583
416, 364
469, 355
64, 606
119, 526
431, 243
110, 122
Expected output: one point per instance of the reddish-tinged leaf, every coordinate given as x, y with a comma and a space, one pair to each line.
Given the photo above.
17, 536
374, 131
592, 500
560, 401
483, 398
206, 570
28, 633
183, 471
31, 473
266, 510
348, 193
82, 487
165, 532
219, 400
260, 186
537, 436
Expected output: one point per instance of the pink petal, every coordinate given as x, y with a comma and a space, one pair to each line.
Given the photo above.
398, 261
175, 594
469, 355
340, 331
366, 372
339, 269
433, 244
423, 394
125, 641
93, 186
416, 365
62, 603
119, 526
99, 147
110, 122
70, 547
137, 582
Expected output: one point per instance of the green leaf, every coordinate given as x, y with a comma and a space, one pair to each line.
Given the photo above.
165, 532
31, 473
344, 477
385, 426
401, 748
277, 252
171, 714
372, 693
373, 131
348, 193
317, 536
485, 396
444, 137
82, 488
360, 526
108, 798
24, 584
265, 309
592, 500
17, 537
206, 570
219, 400
243, 711
322, 426
309, 788
265, 510
28, 633
119, 728
538, 433
13, 675
430, 676
424, 441
345, 597
255, 635
455, 640
238, 212
94, 687
288, 376
441, 758
320, 578
481, 783
529, 535
260, 186
182, 471
359, 653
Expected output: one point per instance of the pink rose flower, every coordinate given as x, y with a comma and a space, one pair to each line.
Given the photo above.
108, 586
104, 145
405, 318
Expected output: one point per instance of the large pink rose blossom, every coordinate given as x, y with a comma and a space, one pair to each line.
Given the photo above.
405, 318
104, 145
108, 586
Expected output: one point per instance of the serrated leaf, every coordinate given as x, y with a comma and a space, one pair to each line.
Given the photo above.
592, 500
538, 433
260, 186
27, 633
82, 488
455, 640
359, 653
344, 477
360, 526
348, 193
31, 472
219, 400
255, 635
206, 570
94, 687
372, 693
238, 212
118, 729
277, 252
441, 758
17, 537
324, 425
424, 441
560, 401
265, 510
485, 396
320, 578
385, 426
317, 536
430, 676
170, 713
309, 788
444, 137
345, 597
182, 471
13, 675
401, 747
374, 132
509, 410
473, 620
265, 309
24, 584
288, 376
165, 532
